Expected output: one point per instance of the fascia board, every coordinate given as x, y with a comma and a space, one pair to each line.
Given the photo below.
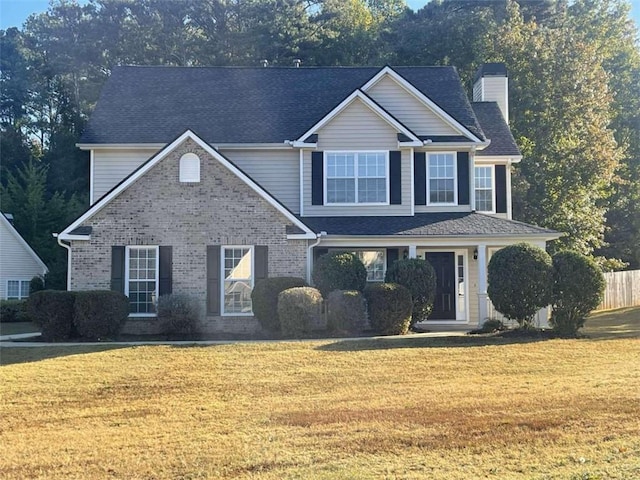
161, 155
23, 242
426, 101
358, 94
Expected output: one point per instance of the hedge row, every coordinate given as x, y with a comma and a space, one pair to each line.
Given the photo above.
95, 315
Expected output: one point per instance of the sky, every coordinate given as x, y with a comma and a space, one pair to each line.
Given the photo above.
14, 12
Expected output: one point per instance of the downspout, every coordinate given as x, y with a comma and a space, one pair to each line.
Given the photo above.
68, 247
310, 254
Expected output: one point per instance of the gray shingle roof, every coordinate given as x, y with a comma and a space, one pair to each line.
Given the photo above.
496, 129
245, 105
424, 225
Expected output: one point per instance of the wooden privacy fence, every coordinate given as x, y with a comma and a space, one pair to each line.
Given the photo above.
622, 290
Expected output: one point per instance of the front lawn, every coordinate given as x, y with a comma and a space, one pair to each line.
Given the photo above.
393, 408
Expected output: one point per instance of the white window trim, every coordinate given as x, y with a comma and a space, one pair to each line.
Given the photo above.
222, 279
355, 166
127, 249
19, 280
493, 188
455, 180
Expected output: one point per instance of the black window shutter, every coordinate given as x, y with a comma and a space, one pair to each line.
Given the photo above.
213, 280
261, 257
395, 177
420, 177
166, 270
117, 269
392, 256
463, 178
317, 178
501, 189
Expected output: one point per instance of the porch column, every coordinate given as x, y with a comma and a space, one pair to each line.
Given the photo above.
483, 310
413, 251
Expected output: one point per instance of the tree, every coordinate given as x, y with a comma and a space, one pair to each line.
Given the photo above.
520, 279
419, 277
578, 286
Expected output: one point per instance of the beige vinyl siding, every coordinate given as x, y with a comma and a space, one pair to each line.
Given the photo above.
408, 109
277, 171
495, 90
358, 128
110, 167
16, 262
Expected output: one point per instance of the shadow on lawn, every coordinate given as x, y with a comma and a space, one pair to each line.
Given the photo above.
427, 342
14, 355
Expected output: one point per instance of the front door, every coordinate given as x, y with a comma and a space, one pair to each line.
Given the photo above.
444, 305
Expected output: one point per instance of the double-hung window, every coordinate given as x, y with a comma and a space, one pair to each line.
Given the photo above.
484, 188
357, 177
237, 272
441, 185
375, 262
142, 280
17, 289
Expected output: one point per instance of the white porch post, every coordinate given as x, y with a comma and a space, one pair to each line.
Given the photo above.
483, 312
413, 251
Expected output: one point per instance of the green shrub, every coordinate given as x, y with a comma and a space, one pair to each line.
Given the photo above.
339, 271
52, 311
390, 307
520, 279
179, 315
297, 308
578, 286
419, 277
490, 326
36, 284
264, 299
13, 311
100, 314
346, 310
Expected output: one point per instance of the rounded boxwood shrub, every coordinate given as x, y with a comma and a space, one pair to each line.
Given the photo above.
420, 278
52, 311
297, 308
578, 286
520, 278
100, 314
179, 314
389, 307
264, 299
339, 271
346, 311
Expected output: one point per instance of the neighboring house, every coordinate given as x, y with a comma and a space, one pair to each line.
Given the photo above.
18, 262
204, 180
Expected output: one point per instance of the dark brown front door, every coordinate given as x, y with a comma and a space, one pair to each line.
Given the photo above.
444, 306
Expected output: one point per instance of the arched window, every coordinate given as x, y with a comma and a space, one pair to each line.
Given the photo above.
189, 168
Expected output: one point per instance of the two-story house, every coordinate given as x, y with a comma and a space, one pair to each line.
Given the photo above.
204, 180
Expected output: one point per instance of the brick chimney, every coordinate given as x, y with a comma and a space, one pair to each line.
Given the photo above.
491, 84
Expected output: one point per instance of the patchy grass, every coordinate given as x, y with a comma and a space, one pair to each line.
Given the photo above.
406, 408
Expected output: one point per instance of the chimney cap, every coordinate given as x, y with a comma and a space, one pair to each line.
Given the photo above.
491, 70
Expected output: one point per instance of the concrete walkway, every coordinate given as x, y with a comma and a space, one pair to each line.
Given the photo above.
6, 340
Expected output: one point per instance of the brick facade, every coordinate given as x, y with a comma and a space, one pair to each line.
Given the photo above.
160, 210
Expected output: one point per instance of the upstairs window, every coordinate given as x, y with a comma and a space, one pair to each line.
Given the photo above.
441, 184
357, 177
189, 168
484, 188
